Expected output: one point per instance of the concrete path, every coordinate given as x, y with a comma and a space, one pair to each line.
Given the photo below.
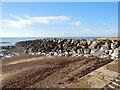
115, 84
99, 78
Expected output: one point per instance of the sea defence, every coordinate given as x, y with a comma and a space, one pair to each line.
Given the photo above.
102, 48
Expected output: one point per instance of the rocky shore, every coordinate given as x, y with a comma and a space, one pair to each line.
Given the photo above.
102, 48
9, 51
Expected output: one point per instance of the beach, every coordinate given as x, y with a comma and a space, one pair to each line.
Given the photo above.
52, 69
47, 72
61, 44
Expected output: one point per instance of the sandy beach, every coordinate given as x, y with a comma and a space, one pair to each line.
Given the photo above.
27, 71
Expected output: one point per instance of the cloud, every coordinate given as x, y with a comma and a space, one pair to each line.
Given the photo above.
78, 23
14, 16
27, 20
47, 20
15, 24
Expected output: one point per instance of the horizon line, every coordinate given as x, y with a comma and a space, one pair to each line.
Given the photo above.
62, 36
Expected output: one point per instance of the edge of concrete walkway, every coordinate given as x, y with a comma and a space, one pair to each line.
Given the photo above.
98, 78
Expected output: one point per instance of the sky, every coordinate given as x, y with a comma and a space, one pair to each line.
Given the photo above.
59, 19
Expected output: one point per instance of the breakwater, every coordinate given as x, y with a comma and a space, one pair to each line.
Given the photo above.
102, 48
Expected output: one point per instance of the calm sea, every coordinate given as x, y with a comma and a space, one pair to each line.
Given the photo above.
6, 41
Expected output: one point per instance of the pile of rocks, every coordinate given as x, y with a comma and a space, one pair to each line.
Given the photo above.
6, 47
7, 51
72, 47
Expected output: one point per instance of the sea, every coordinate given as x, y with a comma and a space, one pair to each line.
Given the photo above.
10, 41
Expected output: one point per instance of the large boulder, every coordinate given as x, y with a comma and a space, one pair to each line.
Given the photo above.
116, 53
93, 45
115, 45
101, 54
89, 42
80, 50
104, 48
87, 51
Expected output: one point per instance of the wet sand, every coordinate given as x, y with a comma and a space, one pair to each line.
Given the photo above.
37, 71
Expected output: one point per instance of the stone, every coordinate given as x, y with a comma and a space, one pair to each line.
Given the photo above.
59, 41
75, 54
38, 53
2, 56
93, 45
108, 43
6, 47
33, 53
51, 53
104, 48
72, 41
70, 53
114, 45
25, 51
68, 49
104, 56
61, 54
84, 43
106, 51
43, 53
89, 42
74, 48
48, 55
84, 47
60, 50
8, 56
79, 55
69, 42
112, 57
55, 54
17, 53
116, 53
110, 51
117, 44
67, 54
78, 50
78, 45
98, 46
87, 51
107, 56
99, 53
88, 55
93, 51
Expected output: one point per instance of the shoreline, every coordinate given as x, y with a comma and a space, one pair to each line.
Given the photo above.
9, 51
